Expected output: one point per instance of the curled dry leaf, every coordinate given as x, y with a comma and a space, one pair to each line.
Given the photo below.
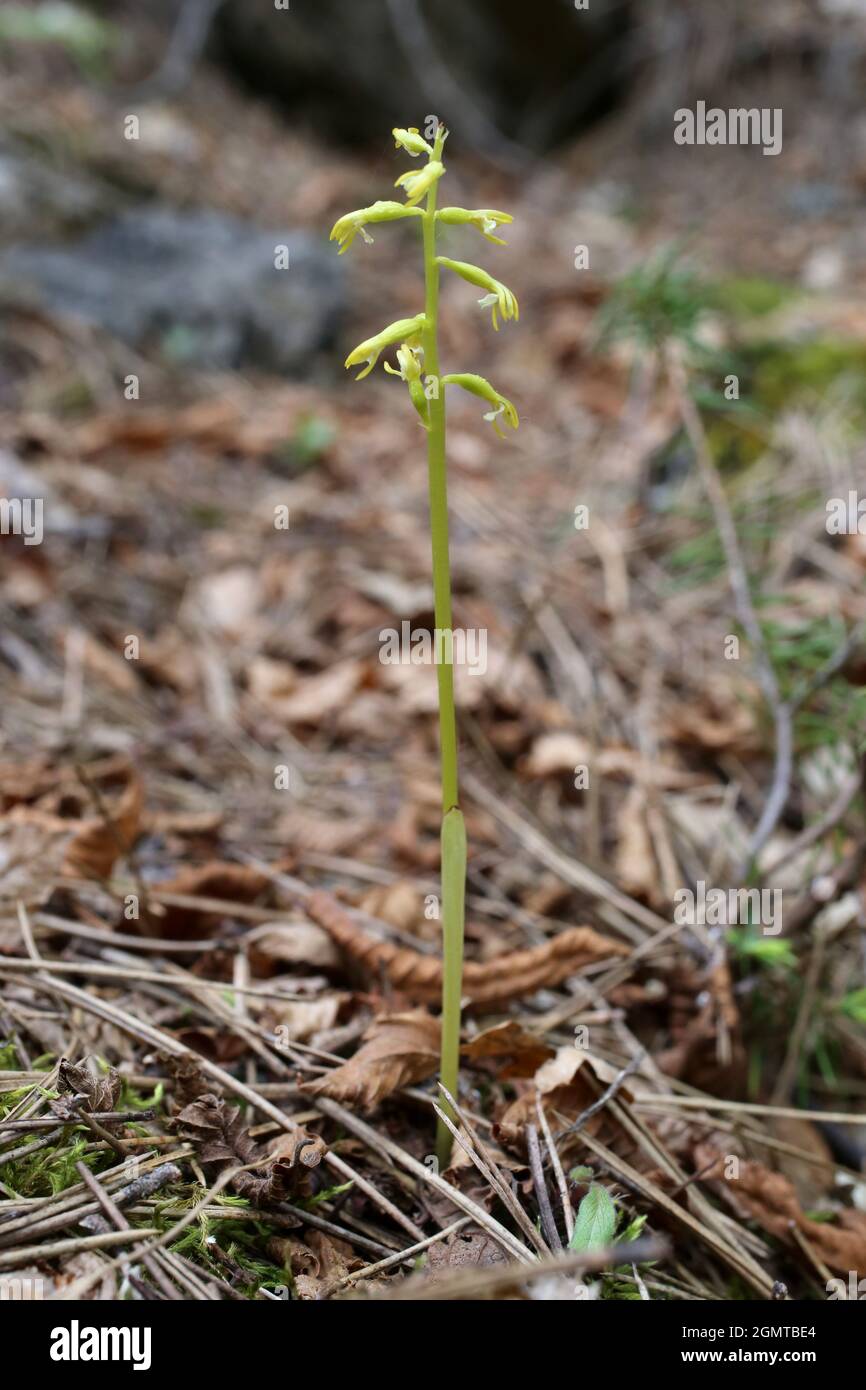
484, 984
316, 1263
101, 1089
102, 839
566, 1085
398, 1050
218, 1131
38, 844
771, 1200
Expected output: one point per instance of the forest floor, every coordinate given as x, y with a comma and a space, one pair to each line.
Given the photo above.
219, 809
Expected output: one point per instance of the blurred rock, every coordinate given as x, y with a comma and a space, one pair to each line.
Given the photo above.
200, 288
37, 200
354, 71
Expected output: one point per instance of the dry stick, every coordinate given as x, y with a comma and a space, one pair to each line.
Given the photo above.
25, 1253
121, 1116
606, 1096
81, 1286
472, 1283
559, 1174
788, 1069
405, 1160
743, 1266
832, 816
782, 1112
113, 1212
401, 1257
616, 908
782, 711
491, 1171
548, 1225
131, 972
166, 1043
523, 1221
24, 1150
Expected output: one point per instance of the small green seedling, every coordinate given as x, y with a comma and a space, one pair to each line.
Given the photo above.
417, 350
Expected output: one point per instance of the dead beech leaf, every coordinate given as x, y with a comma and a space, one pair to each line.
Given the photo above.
219, 1133
636, 869
316, 1263
484, 984
302, 1018
397, 1050
222, 882
101, 1089
566, 1084
292, 943
470, 1247
523, 1052
318, 697
399, 904
560, 751
771, 1199
98, 842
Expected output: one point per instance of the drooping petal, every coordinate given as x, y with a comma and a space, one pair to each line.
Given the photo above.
347, 227
417, 182
369, 351
480, 386
498, 296
486, 220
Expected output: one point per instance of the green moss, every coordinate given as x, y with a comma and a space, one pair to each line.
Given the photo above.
750, 296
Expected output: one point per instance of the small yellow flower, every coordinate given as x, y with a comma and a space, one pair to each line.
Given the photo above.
417, 182
409, 140
347, 227
409, 360
485, 219
480, 386
408, 330
499, 296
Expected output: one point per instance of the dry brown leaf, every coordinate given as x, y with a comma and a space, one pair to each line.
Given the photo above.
292, 943
484, 984
636, 869
524, 1052
318, 697
316, 1263
771, 1200
218, 1131
98, 842
560, 752
222, 882
398, 1050
101, 1089
566, 1085
399, 904
471, 1246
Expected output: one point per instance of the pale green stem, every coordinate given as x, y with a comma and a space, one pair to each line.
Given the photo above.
453, 831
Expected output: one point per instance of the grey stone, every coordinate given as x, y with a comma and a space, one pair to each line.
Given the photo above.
198, 287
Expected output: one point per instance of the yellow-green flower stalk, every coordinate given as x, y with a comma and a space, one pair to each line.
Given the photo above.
417, 343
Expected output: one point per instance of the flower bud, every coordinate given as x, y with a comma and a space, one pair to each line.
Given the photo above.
409, 140
418, 182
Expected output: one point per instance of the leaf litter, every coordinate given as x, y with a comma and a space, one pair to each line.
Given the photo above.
219, 991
